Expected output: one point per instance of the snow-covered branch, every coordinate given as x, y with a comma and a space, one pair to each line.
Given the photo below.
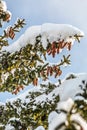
46, 33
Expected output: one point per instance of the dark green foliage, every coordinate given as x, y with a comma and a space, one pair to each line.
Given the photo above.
22, 67
29, 112
82, 102
69, 124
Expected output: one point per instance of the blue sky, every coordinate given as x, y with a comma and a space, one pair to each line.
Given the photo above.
37, 12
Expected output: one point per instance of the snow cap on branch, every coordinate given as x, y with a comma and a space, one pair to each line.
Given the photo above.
5, 15
3, 5
59, 32
47, 32
66, 105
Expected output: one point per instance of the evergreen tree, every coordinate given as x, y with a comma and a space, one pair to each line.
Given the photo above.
26, 64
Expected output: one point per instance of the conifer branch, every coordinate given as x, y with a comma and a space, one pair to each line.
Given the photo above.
10, 32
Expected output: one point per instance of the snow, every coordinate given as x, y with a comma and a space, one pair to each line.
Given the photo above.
22, 96
4, 76
58, 32
67, 92
52, 116
47, 32
76, 117
1, 125
3, 9
27, 38
3, 5
13, 118
40, 128
69, 88
9, 127
66, 105
57, 120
